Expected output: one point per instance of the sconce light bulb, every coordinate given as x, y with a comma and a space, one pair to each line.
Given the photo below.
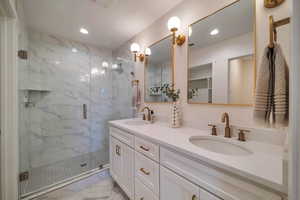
134, 48
147, 52
190, 31
174, 23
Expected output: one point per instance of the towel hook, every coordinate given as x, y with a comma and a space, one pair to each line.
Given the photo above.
273, 31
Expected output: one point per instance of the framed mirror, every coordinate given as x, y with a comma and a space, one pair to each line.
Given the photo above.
159, 70
221, 53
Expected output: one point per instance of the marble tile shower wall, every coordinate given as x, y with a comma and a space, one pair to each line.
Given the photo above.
58, 78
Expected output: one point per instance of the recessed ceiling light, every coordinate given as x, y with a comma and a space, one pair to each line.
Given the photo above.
84, 31
74, 50
214, 32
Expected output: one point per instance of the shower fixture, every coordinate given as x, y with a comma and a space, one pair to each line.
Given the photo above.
105, 64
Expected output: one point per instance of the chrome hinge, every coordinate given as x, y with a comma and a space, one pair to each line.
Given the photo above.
23, 54
84, 111
23, 176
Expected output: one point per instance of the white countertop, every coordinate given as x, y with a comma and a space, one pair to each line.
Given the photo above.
264, 166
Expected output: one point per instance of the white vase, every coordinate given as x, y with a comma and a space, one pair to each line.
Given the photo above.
175, 120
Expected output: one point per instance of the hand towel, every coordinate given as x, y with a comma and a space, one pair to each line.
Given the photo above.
271, 103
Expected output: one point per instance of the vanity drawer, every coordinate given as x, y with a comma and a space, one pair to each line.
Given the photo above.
123, 136
142, 192
216, 181
147, 148
147, 171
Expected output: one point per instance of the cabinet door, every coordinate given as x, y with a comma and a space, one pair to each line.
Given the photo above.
116, 160
174, 187
127, 170
143, 192
122, 165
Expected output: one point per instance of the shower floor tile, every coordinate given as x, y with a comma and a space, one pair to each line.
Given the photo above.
96, 187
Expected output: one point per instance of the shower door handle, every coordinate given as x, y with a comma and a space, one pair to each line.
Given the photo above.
118, 148
84, 111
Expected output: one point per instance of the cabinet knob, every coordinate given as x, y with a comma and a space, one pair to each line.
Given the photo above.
144, 171
144, 148
194, 197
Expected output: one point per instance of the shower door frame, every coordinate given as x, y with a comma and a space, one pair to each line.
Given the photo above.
9, 107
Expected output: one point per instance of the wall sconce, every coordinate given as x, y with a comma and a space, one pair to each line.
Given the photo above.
173, 26
135, 49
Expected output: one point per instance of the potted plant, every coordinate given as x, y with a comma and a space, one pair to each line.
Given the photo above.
174, 95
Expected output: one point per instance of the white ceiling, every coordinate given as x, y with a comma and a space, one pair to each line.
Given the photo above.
232, 21
110, 22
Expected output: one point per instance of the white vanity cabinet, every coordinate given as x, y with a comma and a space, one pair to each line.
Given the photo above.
122, 164
148, 170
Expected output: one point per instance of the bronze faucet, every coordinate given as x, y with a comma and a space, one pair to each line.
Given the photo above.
225, 119
148, 118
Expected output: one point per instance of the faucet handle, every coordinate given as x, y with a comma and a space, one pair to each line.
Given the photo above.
241, 136
214, 129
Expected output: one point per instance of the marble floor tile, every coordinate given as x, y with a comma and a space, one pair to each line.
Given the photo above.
96, 187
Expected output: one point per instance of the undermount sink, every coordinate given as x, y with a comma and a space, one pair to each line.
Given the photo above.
220, 145
136, 122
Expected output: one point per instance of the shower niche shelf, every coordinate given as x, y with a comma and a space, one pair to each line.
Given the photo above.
31, 90
33, 95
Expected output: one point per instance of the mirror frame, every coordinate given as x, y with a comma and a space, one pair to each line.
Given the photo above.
254, 53
172, 66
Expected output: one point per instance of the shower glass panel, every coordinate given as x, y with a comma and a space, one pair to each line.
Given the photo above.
66, 98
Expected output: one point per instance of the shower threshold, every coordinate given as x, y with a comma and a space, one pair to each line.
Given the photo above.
61, 184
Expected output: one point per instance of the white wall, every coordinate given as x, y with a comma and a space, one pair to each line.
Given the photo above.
219, 54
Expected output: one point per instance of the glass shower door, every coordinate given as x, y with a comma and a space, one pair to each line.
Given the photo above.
66, 98
61, 135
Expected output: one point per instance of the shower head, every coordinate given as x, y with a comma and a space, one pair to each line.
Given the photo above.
118, 68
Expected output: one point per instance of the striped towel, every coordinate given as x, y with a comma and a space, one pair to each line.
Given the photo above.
271, 104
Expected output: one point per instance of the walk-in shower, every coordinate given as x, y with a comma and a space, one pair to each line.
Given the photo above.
66, 98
